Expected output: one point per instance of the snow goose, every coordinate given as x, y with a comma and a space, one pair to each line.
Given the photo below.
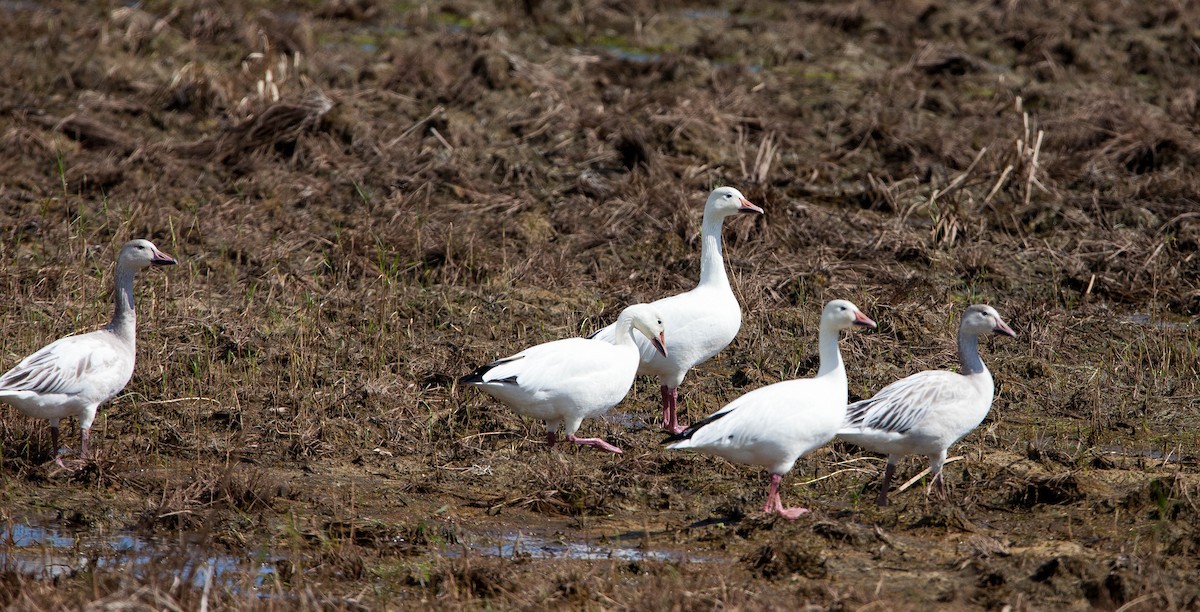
774, 426
72, 376
929, 411
566, 381
702, 321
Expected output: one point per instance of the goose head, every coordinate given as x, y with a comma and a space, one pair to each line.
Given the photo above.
841, 314
727, 201
138, 254
646, 320
981, 320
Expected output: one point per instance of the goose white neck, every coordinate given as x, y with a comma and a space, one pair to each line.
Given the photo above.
124, 321
712, 260
624, 332
831, 356
968, 354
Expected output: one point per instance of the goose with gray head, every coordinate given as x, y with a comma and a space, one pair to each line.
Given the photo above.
774, 426
566, 381
72, 376
928, 412
702, 321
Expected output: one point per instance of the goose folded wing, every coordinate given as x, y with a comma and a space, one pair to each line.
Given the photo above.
558, 364
902, 405
65, 367
607, 334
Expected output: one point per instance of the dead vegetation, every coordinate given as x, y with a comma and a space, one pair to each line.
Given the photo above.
366, 199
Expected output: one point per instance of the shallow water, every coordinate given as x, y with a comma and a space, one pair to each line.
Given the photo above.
44, 552
1169, 456
700, 14
544, 546
38, 552
12, 6
1145, 319
48, 553
626, 420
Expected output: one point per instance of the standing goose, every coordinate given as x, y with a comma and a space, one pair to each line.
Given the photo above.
565, 381
929, 411
704, 320
774, 426
72, 376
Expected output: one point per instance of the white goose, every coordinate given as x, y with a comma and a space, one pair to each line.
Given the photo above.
565, 381
702, 321
72, 376
777, 424
929, 411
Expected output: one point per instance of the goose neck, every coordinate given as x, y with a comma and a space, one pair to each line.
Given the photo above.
831, 356
712, 260
968, 354
124, 321
624, 332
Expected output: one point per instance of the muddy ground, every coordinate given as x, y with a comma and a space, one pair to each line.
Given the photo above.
368, 199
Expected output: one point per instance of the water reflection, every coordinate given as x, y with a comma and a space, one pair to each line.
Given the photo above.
42, 552
541, 546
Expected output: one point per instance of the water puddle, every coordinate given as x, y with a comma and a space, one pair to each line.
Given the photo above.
39, 553
626, 420
626, 54
12, 6
704, 14
49, 553
1150, 321
1172, 456
641, 56
543, 546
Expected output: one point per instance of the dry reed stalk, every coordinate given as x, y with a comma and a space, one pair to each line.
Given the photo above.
925, 472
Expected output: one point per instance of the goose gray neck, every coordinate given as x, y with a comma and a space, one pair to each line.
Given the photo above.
124, 321
968, 354
712, 260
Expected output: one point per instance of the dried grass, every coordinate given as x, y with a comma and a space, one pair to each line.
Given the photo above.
362, 213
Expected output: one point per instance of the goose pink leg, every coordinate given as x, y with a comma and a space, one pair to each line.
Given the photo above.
935, 468
54, 446
775, 504
83, 449
550, 438
939, 486
670, 402
595, 443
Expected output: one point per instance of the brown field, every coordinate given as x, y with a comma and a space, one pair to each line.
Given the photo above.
368, 199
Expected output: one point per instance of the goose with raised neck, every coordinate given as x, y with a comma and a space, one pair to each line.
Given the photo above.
773, 426
702, 321
73, 376
926, 413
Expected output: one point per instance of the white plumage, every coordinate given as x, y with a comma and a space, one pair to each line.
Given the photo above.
566, 381
702, 321
774, 426
72, 376
927, 412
